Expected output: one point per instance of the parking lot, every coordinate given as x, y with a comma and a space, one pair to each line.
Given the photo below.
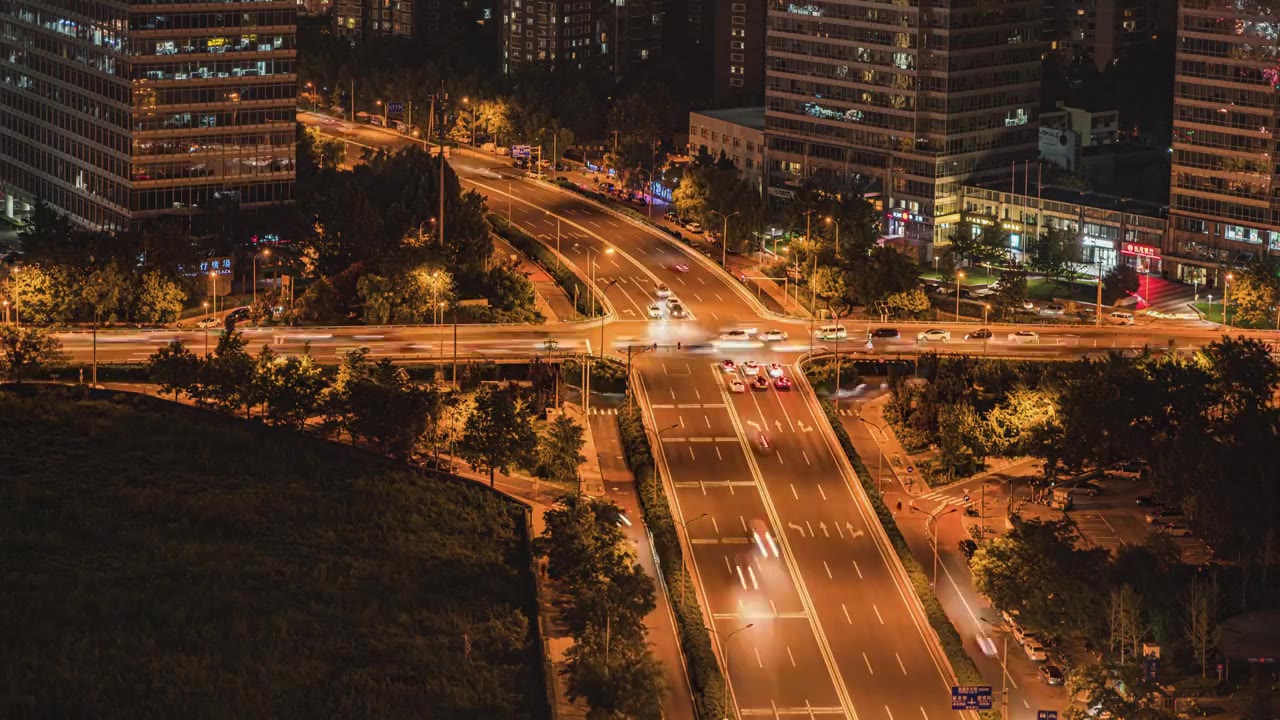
1113, 518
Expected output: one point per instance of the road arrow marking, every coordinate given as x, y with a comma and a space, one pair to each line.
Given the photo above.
628, 311
753, 424
803, 427
797, 528
778, 423
823, 525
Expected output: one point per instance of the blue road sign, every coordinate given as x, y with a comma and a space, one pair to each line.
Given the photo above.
971, 697
521, 151
1046, 715
395, 108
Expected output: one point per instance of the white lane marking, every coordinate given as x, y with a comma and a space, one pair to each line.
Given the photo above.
828, 569
715, 525
681, 422
1024, 704
707, 420
793, 657
820, 492
718, 455
886, 709
904, 667
704, 282
673, 392
744, 523
697, 297
780, 460
718, 297
793, 492
727, 565
867, 660
697, 394
691, 455
926, 715
680, 279
873, 607
806, 462
714, 317
846, 614
759, 662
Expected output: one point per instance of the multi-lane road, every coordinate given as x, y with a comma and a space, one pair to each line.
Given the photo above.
781, 535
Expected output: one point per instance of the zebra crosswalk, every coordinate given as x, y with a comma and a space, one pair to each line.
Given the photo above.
603, 411
943, 498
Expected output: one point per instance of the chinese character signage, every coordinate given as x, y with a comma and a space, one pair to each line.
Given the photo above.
970, 697
1132, 248
217, 266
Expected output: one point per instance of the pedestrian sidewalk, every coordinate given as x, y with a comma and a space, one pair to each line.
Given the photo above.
552, 301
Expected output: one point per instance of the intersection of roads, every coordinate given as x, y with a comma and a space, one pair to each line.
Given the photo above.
811, 609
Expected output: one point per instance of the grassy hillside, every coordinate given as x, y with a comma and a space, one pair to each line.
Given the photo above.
161, 562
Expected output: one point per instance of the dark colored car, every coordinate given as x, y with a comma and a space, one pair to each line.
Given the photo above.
981, 334
885, 333
1050, 674
968, 548
1147, 501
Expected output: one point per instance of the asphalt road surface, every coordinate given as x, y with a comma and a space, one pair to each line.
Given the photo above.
781, 535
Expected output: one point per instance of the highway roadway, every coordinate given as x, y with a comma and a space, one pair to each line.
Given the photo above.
782, 538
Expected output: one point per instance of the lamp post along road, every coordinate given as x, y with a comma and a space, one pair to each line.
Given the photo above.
879, 453
724, 239
685, 526
264, 253
959, 277
724, 651
931, 529
1226, 301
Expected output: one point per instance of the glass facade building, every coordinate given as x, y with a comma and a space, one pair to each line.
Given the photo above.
117, 111
916, 96
1225, 191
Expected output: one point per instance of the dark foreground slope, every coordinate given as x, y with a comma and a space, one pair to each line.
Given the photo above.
161, 562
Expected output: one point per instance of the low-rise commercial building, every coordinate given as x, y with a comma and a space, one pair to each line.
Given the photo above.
737, 133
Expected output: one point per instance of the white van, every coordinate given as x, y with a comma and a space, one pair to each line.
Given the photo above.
832, 332
1120, 318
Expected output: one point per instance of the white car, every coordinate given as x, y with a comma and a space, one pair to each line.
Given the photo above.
751, 367
693, 227
832, 332
1023, 337
773, 335
735, 335
775, 370
209, 322
655, 311
934, 335
1035, 652
662, 291
737, 386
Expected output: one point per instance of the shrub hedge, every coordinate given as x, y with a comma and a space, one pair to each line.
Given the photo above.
546, 259
695, 641
952, 644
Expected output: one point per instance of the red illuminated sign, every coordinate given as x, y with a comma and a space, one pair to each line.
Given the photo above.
1140, 250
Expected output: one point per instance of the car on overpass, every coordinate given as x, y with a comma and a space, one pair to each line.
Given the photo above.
887, 333
662, 291
760, 383
1024, 337
737, 386
773, 335
934, 335
655, 311
979, 334
735, 335
677, 310
832, 332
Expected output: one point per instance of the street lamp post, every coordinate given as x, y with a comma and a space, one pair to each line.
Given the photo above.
685, 526
467, 101
1004, 671
1226, 301
205, 305
959, 277
213, 290
833, 221
724, 239
724, 650
931, 529
879, 454
264, 253
604, 290
385, 118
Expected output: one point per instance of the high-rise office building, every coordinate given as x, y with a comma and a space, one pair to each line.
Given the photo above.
114, 111
581, 34
915, 96
1225, 190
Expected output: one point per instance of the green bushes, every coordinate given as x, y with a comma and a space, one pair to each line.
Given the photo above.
952, 644
695, 641
573, 286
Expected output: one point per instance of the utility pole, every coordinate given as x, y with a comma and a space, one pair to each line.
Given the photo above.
443, 97
1098, 307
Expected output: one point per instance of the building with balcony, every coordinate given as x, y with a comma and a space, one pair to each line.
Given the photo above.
917, 96
581, 34
116, 111
1225, 189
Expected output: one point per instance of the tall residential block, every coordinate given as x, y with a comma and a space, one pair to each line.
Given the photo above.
915, 96
1225, 190
612, 36
117, 111
737, 52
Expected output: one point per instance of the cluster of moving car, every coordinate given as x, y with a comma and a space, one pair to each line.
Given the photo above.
757, 374
668, 305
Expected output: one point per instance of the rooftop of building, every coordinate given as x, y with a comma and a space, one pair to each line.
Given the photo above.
748, 117
1083, 197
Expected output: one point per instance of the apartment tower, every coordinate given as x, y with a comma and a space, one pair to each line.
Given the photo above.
1225, 191
913, 96
116, 111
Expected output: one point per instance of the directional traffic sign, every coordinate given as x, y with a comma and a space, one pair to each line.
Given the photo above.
395, 108
1046, 715
521, 151
970, 697
911, 469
